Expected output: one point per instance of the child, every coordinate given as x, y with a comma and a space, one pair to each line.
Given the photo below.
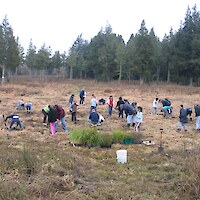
74, 111
139, 119
15, 119
29, 107
119, 103
52, 118
155, 105
110, 105
45, 112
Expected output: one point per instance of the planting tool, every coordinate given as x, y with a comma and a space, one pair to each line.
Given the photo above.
161, 148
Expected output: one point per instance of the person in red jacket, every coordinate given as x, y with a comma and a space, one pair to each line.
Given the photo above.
110, 103
61, 116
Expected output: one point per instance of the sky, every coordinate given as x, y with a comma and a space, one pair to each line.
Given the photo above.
57, 23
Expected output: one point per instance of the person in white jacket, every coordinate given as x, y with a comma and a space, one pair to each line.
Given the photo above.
139, 119
155, 105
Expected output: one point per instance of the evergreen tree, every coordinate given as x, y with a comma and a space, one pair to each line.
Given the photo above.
31, 57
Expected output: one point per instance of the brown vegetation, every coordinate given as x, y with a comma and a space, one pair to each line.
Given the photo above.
34, 165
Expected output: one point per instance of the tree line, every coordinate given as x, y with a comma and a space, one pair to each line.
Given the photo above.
107, 57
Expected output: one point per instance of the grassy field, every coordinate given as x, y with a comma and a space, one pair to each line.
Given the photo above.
34, 165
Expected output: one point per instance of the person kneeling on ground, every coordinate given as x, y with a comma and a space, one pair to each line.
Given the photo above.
95, 118
29, 107
15, 119
20, 105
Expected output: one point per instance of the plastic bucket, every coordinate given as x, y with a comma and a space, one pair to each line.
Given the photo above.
121, 156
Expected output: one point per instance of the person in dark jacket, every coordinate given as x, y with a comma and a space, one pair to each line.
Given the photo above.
197, 114
82, 96
119, 103
52, 118
61, 116
74, 111
94, 117
182, 118
167, 109
15, 119
130, 111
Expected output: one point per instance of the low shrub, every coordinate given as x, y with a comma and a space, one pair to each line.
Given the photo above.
86, 136
119, 136
106, 140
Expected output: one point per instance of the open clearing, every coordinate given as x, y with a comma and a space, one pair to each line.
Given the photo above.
61, 171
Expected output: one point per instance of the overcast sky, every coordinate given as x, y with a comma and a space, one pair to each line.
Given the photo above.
57, 23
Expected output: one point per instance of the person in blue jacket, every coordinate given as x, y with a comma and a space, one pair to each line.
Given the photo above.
94, 117
15, 119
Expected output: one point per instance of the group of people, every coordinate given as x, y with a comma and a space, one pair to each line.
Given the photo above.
132, 112
183, 115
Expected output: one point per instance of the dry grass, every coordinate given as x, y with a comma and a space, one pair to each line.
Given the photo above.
34, 165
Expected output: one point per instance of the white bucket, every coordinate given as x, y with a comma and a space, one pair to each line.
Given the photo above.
121, 156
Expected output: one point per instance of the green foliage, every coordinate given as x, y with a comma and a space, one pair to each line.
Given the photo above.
119, 136
106, 140
29, 161
86, 136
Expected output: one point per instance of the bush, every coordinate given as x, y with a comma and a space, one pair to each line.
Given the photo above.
106, 140
119, 136
86, 136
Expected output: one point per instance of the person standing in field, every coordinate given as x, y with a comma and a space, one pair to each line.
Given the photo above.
182, 118
70, 101
93, 103
52, 118
119, 103
82, 96
139, 119
197, 114
74, 111
110, 104
61, 116
155, 105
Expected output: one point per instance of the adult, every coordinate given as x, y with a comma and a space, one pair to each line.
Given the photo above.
94, 117
130, 111
82, 96
167, 109
110, 103
197, 114
93, 103
15, 119
119, 103
182, 118
60, 116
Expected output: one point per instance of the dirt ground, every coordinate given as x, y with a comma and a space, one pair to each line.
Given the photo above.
93, 173
42, 93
